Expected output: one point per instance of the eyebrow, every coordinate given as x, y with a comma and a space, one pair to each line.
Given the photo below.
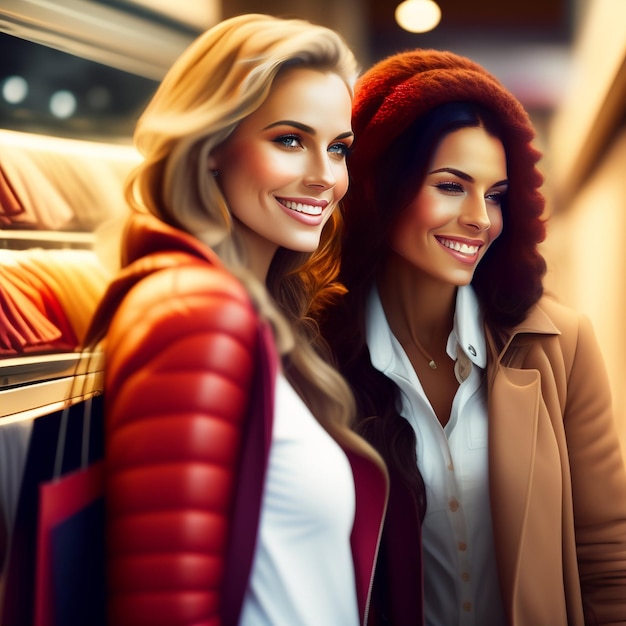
464, 176
305, 129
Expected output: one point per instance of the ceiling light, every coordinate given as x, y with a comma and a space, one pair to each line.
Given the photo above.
418, 16
62, 104
14, 89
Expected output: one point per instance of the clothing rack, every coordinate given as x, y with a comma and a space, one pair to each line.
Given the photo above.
31, 386
24, 239
36, 385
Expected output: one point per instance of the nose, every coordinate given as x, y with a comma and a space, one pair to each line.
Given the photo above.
475, 214
320, 172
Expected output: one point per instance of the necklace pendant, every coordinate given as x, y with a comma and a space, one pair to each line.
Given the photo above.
432, 364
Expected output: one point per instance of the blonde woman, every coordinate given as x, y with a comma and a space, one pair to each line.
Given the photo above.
236, 491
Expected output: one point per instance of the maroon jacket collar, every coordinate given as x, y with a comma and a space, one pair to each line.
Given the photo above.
148, 245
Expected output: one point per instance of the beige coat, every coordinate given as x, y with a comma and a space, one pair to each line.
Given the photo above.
557, 478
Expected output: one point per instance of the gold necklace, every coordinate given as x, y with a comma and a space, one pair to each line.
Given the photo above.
420, 347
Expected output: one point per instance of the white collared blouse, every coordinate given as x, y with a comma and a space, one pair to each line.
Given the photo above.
460, 578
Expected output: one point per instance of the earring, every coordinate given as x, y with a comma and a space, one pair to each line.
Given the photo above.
215, 173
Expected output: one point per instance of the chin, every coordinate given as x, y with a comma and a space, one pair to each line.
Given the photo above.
303, 246
461, 281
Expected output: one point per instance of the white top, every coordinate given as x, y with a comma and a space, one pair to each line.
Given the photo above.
303, 572
460, 578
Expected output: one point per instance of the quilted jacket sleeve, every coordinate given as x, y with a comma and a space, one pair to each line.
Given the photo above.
180, 357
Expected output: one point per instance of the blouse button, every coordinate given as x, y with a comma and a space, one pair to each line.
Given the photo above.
467, 606
453, 504
465, 577
462, 546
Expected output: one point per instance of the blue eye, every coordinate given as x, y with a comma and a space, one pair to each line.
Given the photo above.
289, 141
340, 148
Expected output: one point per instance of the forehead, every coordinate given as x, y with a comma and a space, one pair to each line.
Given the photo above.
471, 150
312, 97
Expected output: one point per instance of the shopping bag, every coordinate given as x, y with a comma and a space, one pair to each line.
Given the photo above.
70, 552
81, 431
70, 581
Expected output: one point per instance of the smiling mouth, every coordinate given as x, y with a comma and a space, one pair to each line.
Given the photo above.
307, 209
457, 246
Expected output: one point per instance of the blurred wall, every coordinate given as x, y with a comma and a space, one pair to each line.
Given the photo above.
586, 187
346, 16
586, 254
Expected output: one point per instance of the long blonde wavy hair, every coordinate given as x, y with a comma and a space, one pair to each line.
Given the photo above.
224, 76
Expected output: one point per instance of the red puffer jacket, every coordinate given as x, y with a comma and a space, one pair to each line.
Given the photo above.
189, 407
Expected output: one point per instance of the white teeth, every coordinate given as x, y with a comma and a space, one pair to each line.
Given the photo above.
302, 208
463, 248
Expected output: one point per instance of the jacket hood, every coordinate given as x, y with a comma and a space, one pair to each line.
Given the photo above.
145, 235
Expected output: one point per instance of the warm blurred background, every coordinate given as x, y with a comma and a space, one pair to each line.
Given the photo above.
85, 68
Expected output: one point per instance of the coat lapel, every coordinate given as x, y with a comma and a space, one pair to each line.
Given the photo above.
515, 408
513, 421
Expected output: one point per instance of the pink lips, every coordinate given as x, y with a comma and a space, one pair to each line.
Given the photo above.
308, 211
464, 250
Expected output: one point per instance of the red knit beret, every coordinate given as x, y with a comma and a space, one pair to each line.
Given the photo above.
398, 90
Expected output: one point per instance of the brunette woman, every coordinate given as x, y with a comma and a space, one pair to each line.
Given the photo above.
488, 399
